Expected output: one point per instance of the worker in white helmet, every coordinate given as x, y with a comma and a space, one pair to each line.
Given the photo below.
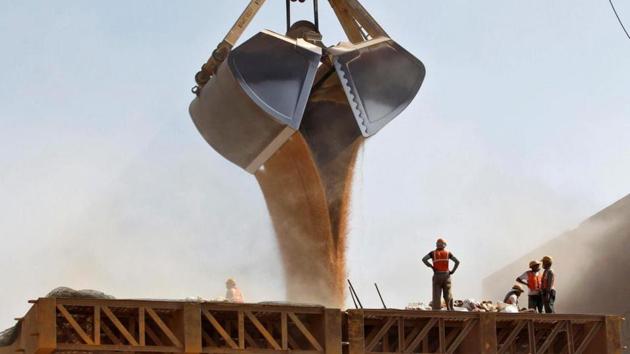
233, 293
441, 274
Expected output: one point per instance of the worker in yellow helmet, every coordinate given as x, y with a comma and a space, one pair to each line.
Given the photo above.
441, 274
547, 285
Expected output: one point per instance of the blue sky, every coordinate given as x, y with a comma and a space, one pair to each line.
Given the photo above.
520, 131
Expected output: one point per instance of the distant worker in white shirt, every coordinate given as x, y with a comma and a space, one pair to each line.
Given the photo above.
233, 293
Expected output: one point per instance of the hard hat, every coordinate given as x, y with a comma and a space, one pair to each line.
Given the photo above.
517, 287
547, 259
231, 282
533, 263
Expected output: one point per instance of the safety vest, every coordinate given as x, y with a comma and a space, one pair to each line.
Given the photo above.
545, 281
440, 260
533, 281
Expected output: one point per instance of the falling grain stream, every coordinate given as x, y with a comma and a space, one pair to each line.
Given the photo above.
307, 186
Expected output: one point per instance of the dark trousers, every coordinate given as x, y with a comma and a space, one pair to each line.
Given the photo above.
442, 286
535, 302
549, 300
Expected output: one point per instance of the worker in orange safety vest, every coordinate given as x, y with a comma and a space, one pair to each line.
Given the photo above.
533, 279
441, 274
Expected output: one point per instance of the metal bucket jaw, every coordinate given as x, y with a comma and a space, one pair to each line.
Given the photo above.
380, 79
256, 100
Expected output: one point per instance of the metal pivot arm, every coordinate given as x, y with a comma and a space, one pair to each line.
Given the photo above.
356, 21
223, 49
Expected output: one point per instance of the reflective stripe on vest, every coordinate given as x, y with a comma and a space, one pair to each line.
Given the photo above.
533, 281
440, 260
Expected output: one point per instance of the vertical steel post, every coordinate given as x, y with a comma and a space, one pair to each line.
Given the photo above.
288, 15
316, 14
46, 326
356, 332
191, 320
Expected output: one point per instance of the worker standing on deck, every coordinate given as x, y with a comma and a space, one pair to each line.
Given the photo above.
441, 274
532, 278
547, 285
233, 293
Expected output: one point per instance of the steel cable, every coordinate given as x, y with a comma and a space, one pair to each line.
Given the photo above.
618, 18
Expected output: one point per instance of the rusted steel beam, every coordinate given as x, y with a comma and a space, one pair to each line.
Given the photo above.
549, 317
111, 335
192, 328
153, 336
241, 329
511, 337
142, 340
117, 348
369, 346
423, 333
73, 323
121, 328
356, 332
531, 335
333, 329
613, 334
307, 334
486, 334
569, 346
209, 341
284, 331
167, 331
166, 305
460, 337
441, 336
235, 307
222, 332
411, 336
268, 337
552, 336
46, 326
97, 325
401, 335
588, 337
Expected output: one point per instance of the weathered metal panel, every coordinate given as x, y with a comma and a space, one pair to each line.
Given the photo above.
257, 98
380, 79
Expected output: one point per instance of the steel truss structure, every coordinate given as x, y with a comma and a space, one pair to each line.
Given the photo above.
142, 326
402, 331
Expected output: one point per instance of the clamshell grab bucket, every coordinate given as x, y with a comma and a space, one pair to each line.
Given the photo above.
257, 97
380, 79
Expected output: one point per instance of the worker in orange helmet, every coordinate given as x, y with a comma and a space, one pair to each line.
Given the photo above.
548, 291
441, 274
533, 279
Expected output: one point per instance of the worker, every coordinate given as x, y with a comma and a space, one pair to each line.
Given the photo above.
441, 274
547, 288
512, 296
233, 293
532, 279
